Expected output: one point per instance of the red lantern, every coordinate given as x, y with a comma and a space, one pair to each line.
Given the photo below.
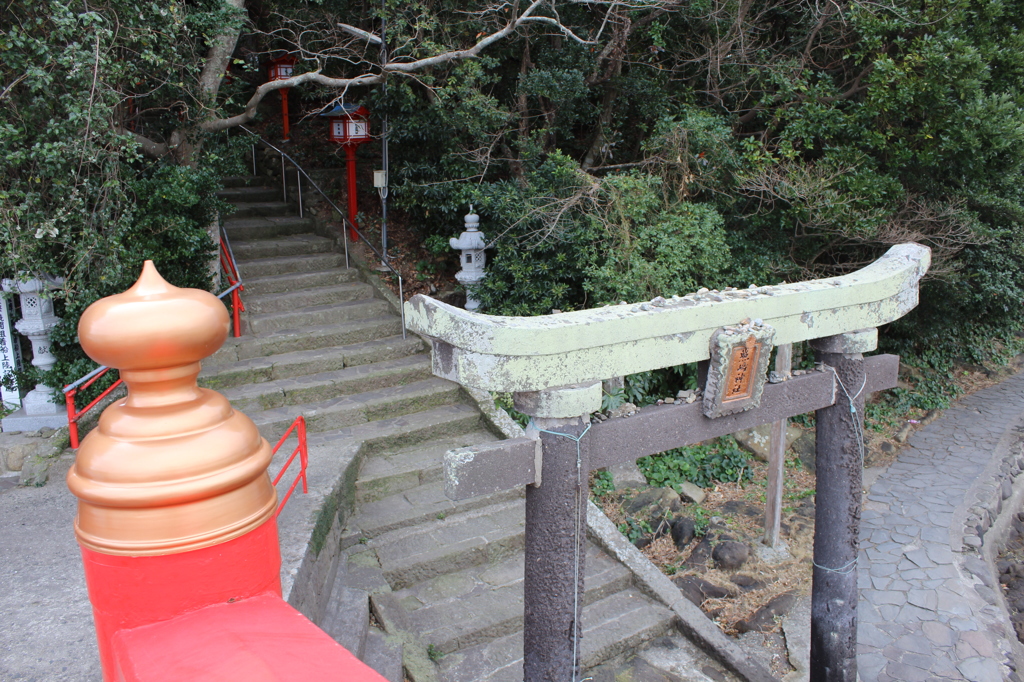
349, 127
350, 124
281, 69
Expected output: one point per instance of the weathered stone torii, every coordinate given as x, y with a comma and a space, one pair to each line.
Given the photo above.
554, 365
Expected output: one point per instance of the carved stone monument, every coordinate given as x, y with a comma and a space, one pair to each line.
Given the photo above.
37, 321
10, 355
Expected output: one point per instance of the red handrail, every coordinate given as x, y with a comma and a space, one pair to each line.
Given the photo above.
227, 262
69, 399
302, 451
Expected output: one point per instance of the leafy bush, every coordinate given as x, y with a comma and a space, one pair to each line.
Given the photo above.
703, 464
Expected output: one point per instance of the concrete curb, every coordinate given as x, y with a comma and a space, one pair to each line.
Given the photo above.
994, 538
691, 620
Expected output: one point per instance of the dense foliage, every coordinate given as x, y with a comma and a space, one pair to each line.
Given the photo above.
714, 143
77, 198
615, 151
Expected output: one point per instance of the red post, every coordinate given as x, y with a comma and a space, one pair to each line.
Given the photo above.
350, 157
236, 304
69, 400
175, 506
284, 114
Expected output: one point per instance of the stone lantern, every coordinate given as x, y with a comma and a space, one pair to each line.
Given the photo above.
473, 259
37, 321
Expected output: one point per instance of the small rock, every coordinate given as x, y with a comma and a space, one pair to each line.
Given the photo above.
623, 410
757, 440
683, 531
746, 582
904, 433
35, 471
627, 475
691, 398
655, 498
670, 401
698, 590
730, 555
766, 618
691, 492
701, 553
805, 448
1006, 489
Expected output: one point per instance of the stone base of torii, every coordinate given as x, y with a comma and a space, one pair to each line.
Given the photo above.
554, 366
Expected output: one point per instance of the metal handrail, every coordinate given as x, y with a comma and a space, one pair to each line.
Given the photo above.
300, 172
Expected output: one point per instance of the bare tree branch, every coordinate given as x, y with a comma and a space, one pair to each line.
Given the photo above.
360, 33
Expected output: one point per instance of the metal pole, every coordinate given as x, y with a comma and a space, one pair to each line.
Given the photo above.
839, 464
298, 180
284, 181
384, 139
253, 159
777, 456
401, 304
350, 158
556, 525
344, 234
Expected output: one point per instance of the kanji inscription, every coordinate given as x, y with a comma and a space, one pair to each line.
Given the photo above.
739, 365
739, 384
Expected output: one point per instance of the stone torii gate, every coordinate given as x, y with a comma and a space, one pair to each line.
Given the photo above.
554, 365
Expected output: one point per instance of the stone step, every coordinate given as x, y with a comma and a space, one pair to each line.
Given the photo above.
238, 195
317, 316
272, 206
383, 655
465, 608
285, 265
348, 410
311, 338
394, 472
405, 431
251, 228
232, 181
611, 626
347, 618
305, 298
322, 386
288, 245
297, 281
299, 363
421, 534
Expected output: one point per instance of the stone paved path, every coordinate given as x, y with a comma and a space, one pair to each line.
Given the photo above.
924, 612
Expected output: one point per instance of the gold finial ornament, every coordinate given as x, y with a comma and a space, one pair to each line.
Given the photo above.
172, 467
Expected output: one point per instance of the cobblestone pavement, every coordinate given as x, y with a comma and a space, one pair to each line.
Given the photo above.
46, 630
928, 608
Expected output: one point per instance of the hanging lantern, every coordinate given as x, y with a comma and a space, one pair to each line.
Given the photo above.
349, 124
349, 127
281, 68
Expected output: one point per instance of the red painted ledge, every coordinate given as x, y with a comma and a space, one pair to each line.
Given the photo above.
261, 639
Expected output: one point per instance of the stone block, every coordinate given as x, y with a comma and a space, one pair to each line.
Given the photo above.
17, 448
757, 441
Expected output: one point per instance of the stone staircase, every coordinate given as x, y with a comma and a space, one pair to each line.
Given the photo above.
423, 588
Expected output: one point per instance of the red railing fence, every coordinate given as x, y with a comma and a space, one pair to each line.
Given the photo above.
299, 426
